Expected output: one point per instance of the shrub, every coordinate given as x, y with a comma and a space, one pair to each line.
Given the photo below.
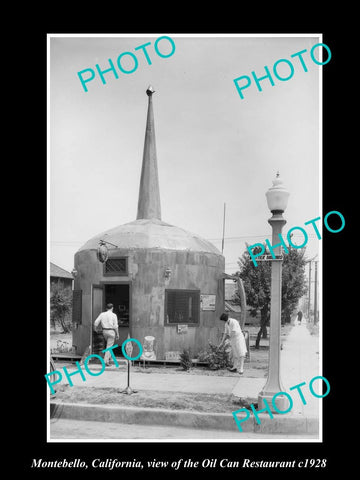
60, 306
185, 360
217, 357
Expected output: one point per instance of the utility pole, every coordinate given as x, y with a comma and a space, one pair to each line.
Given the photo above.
315, 295
309, 299
309, 290
223, 235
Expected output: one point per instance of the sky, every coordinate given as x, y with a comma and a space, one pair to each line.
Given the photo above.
213, 148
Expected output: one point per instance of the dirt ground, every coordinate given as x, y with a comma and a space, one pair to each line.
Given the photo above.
149, 399
256, 368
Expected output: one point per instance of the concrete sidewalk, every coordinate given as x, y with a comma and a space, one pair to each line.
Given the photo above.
299, 363
116, 377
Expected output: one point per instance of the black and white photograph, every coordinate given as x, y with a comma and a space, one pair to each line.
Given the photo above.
186, 228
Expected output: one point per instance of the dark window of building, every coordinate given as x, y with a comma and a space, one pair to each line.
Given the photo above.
182, 306
76, 306
116, 266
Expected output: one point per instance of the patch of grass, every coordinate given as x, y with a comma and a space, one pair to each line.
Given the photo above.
200, 402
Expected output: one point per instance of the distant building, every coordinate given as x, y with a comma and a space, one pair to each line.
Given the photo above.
60, 276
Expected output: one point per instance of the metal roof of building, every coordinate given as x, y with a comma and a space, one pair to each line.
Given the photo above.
152, 234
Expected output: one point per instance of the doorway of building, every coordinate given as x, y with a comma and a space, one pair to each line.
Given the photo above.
119, 295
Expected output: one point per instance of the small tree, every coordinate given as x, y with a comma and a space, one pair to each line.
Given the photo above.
60, 305
257, 285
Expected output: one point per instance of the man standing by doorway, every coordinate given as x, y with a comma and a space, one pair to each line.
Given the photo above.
109, 324
237, 341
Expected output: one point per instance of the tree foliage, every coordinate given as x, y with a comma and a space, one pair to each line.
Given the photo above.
257, 284
256, 281
293, 281
60, 305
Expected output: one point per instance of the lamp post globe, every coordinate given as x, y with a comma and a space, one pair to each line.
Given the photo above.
277, 196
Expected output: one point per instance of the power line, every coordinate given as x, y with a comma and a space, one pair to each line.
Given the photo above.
65, 243
254, 236
74, 243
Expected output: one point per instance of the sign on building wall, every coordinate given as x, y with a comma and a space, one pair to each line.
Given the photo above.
182, 328
172, 356
207, 302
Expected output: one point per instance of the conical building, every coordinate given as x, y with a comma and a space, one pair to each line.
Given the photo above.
163, 281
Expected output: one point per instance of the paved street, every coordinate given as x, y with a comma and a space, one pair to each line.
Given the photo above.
64, 429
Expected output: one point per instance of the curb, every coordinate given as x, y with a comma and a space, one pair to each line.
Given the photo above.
283, 424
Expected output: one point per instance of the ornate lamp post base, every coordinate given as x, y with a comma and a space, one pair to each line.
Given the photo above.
281, 402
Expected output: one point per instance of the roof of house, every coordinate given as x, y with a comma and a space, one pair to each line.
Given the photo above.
56, 271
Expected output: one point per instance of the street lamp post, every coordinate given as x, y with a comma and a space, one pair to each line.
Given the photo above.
277, 197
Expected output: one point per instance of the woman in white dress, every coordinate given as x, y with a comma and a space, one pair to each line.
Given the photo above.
237, 341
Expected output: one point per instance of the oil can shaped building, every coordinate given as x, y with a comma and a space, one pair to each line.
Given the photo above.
164, 282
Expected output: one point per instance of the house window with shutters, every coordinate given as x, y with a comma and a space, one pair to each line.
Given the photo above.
182, 306
116, 266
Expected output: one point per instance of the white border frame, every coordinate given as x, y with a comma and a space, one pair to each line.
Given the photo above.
320, 303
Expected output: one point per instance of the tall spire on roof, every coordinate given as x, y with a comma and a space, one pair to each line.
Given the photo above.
149, 192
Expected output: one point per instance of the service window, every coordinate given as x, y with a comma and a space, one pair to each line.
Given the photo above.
182, 306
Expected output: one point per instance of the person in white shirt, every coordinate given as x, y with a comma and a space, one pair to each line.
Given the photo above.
237, 341
109, 323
